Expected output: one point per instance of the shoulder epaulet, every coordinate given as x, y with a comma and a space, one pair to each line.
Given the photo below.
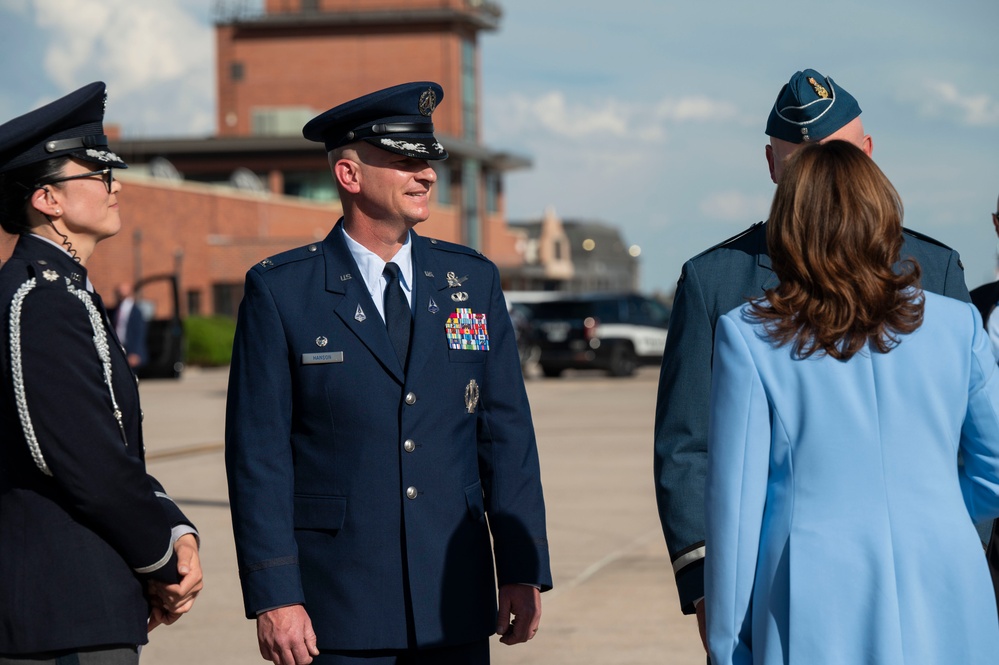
729, 241
454, 247
925, 238
47, 275
309, 251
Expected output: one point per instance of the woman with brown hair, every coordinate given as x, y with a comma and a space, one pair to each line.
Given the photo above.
839, 519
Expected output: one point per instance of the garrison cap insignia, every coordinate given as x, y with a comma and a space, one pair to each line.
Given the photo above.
819, 90
359, 315
50, 275
432, 307
467, 331
321, 341
428, 102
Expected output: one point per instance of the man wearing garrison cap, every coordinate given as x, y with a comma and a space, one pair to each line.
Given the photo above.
809, 108
379, 442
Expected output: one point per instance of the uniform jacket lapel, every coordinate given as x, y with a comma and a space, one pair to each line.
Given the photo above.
343, 277
429, 283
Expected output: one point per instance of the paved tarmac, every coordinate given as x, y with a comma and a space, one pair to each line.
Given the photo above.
614, 601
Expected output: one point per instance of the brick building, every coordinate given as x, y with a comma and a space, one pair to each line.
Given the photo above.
207, 208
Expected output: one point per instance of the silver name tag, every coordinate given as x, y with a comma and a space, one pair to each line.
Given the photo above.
322, 358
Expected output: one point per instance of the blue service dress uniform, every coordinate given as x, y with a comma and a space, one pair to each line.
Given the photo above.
366, 491
82, 525
711, 284
839, 522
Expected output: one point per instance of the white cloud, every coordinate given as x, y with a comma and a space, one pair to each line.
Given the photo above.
977, 109
733, 206
556, 115
696, 109
136, 44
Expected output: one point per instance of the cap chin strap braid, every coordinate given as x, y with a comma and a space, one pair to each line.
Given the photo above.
92, 141
391, 128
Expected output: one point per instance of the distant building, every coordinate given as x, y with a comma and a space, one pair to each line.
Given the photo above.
207, 208
572, 256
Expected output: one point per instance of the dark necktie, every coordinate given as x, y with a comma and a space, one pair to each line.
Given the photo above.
398, 315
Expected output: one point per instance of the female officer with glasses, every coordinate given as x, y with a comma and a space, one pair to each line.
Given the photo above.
93, 553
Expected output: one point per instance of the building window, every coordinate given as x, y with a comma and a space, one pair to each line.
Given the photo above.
443, 185
226, 298
469, 109
194, 302
236, 72
492, 191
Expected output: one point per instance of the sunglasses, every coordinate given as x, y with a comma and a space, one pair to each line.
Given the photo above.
107, 175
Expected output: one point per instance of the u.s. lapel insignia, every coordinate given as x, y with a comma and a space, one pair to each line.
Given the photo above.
428, 273
344, 278
459, 296
471, 396
50, 275
433, 308
359, 315
455, 282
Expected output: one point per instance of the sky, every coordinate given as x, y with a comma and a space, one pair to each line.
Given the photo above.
644, 114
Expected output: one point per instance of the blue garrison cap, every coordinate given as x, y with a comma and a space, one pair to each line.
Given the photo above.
810, 108
70, 126
396, 119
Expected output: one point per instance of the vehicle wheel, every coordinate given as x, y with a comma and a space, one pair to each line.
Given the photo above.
623, 361
551, 372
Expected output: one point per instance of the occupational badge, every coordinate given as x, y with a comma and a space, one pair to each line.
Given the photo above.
321, 341
467, 331
459, 296
454, 282
359, 315
471, 396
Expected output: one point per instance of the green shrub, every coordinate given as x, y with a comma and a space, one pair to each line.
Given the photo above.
209, 340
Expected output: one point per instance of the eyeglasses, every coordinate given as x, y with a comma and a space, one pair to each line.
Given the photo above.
107, 175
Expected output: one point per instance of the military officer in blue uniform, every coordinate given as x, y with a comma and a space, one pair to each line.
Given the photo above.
810, 107
93, 552
379, 443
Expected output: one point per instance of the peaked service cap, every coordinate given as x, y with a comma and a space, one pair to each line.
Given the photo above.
396, 119
70, 126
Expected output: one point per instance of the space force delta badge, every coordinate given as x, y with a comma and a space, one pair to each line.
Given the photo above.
467, 331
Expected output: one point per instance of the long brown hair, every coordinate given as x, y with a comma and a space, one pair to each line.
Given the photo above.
834, 236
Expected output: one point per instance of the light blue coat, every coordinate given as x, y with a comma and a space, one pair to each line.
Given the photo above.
838, 527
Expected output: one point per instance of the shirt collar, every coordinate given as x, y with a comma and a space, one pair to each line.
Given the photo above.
372, 266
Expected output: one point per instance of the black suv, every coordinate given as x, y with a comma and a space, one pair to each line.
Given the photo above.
616, 333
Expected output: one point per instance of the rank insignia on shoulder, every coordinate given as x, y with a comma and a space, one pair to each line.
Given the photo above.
467, 331
50, 275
